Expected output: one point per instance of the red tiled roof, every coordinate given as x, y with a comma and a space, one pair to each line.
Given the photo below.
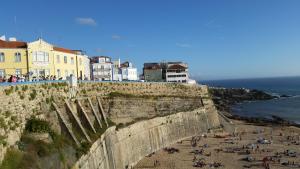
64, 50
176, 67
12, 44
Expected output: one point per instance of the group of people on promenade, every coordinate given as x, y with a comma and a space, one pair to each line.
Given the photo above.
16, 79
25, 78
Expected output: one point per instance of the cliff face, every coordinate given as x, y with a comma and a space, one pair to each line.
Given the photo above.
125, 147
118, 148
126, 110
152, 116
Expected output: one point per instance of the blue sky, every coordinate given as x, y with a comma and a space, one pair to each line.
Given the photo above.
219, 39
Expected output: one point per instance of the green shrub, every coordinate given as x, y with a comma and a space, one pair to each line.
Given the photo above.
3, 140
37, 126
12, 127
22, 97
83, 91
9, 91
24, 88
45, 86
12, 159
50, 99
83, 149
7, 113
2, 123
33, 95
13, 118
118, 94
110, 123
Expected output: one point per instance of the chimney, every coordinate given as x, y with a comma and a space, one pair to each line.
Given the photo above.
12, 39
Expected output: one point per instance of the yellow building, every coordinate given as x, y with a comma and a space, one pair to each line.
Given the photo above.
41, 60
13, 58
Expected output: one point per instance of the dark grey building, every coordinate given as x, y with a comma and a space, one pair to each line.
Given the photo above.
153, 72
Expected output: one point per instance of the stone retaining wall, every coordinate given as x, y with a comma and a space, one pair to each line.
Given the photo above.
125, 147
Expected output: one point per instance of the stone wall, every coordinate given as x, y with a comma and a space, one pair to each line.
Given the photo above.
119, 148
142, 89
125, 110
147, 100
19, 103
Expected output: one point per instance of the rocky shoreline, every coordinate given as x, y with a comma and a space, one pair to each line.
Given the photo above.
225, 98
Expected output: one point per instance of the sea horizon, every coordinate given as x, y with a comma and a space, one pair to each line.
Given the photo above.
287, 108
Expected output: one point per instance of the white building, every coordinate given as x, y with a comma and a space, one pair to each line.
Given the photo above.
87, 69
116, 72
128, 72
101, 68
176, 72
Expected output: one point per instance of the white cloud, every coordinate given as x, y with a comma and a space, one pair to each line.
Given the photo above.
86, 21
213, 24
210, 22
183, 45
116, 37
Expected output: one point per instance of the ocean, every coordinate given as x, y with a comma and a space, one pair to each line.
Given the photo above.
287, 108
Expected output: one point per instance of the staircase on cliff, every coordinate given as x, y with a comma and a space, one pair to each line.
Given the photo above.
81, 118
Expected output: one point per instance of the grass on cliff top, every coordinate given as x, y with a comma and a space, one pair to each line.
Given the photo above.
128, 95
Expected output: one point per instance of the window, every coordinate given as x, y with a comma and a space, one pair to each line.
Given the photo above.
65, 59
57, 59
42, 72
58, 73
40, 56
18, 72
72, 60
176, 75
46, 57
2, 72
2, 57
18, 57
34, 56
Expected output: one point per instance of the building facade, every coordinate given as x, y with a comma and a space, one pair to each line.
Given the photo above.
41, 60
83, 63
128, 72
166, 72
153, 72
176, 72
101, 68
13, 58
116, 72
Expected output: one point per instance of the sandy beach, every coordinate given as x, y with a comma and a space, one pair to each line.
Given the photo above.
250, 146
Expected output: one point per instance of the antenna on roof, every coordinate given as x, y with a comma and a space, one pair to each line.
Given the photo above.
16, 27
41, 35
